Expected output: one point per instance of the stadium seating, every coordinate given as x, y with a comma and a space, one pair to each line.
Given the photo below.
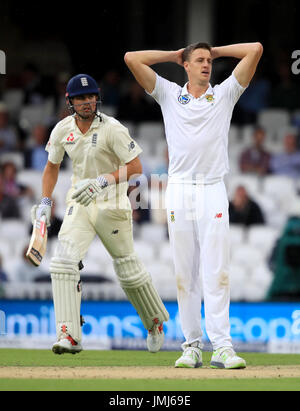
250, 275
263, 237
282, 189
153, 233
13, 98
272, 120
152, 130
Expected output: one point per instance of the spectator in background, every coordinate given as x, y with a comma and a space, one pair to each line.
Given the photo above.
36, 157
162, 168
136, 107
32, 85
3, 279
286, 93
59, 95
8, 134
256, 159
284, 261
140, 214
110, 89
16, 192
3, 275
243, 210
288, 162
24, 271
253, 100
9, 207
55, 221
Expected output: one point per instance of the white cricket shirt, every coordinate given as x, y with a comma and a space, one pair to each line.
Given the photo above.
197, 128
104, 148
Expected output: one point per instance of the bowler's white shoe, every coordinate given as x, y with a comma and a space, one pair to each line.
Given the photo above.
191, 357
66, 345
226, 357
155, 338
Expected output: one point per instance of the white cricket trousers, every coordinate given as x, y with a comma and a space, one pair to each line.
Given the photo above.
198, 223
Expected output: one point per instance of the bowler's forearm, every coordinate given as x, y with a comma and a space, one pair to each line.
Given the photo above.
150, 57
238, 51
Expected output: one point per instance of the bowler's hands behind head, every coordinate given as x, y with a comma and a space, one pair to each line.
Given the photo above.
179, 57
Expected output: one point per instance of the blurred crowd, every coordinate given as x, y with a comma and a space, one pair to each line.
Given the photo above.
44, 99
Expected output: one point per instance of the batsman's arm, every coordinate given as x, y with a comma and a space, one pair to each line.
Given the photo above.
248, 53
49, 178
88, 189
139, 63
132, 168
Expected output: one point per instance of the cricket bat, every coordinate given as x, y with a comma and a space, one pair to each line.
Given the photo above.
38, 242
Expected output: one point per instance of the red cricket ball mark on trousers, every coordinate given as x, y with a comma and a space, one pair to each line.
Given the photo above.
218, 215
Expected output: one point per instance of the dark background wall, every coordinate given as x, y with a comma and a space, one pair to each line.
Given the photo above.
93, 36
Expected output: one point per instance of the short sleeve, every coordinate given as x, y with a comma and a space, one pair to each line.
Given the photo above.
162, 89
125, 148
232, 89
54, 147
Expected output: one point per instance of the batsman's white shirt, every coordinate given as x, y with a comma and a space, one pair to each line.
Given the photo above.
197, 128
104, 148
197, 205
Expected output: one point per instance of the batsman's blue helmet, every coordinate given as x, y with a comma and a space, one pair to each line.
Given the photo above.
81, 84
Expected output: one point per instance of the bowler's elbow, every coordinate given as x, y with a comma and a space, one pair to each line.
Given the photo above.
258, 48
129, 57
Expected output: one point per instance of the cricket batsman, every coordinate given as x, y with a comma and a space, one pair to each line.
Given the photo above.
104, 157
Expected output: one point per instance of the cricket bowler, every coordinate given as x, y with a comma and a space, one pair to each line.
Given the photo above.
104, 157
197, 119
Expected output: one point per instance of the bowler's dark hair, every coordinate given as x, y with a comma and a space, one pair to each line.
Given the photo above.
189, 49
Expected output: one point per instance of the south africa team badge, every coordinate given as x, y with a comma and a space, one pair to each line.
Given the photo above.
209, 98
184, 99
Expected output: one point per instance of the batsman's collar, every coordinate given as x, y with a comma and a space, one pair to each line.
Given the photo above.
95, 122
184, 91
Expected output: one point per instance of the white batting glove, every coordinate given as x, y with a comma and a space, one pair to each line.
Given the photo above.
88, 189
44, 208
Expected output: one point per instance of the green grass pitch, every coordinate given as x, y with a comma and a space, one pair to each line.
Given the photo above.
45, 358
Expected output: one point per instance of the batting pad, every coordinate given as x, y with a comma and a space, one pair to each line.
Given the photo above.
137, 285
66, 289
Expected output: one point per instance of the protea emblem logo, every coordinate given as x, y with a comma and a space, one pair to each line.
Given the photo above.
209, 98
